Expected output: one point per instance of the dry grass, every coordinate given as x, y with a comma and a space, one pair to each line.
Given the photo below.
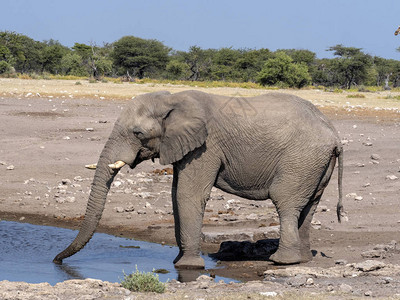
20, 88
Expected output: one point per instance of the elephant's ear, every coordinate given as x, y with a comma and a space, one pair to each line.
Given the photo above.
183, 130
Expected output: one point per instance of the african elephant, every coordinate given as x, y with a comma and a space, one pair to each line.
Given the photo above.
285, 151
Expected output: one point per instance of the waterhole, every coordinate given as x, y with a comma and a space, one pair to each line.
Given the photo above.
27, 251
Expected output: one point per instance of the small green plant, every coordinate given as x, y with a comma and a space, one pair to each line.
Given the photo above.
356, 96
78, 83
143, 282
161, 271
392, 97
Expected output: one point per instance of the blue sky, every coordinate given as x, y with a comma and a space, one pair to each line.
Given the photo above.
309, 24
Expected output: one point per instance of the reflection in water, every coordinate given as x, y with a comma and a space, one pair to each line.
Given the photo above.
27, 252
71, 272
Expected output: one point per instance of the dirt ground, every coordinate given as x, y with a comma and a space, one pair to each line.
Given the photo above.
49, 131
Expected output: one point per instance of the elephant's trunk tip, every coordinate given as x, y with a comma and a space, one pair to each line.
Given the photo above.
57, 260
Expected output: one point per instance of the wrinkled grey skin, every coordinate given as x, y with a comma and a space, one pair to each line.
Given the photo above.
274, 146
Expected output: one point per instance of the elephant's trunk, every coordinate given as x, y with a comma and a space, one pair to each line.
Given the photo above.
97, 198
103, 178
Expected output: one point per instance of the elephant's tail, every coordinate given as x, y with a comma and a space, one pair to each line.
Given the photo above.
339, 208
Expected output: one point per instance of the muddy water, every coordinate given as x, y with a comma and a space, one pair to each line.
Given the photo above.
27, 251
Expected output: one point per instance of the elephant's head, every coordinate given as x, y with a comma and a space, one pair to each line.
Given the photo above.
155, 125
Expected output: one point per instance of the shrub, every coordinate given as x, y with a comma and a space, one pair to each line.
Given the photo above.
143, 282
282, 71
4, 67
356, 96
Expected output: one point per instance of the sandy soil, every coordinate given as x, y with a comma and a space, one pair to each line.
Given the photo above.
50, 130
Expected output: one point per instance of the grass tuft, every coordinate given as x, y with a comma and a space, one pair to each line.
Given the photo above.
143, 282
355, 96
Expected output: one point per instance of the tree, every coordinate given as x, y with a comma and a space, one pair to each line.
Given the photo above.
72, 64
24, 54
95, 60
51, 56
177, 69
250, 63
199, 62
350, 66
136, 56
282, 70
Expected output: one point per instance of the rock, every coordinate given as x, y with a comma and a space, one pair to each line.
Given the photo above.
65, 181
145, 195
130, 208
369, 265
351, 195
78, 178
204, 281
391, 177
66, 138
230, 218
70, 199
375, 156
10, 167
89, 129
341, 262
271, 232
117, 183
119, 209
148, 205
368, 293
373, 254
323, 208
269, 294
345, 288
204, 278
145, 180
358, 198
141, 212
252, 217
368, 144
386, 280
310, 281
316, 224
297, 281
160, 212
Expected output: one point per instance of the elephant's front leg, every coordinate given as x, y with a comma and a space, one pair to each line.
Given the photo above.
191, 190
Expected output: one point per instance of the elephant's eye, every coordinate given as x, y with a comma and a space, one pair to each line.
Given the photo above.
138, 132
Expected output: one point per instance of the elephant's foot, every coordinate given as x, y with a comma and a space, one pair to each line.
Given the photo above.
306, 255
286, 256
178, 257
189, 262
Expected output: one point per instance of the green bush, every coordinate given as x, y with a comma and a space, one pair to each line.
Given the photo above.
4, 67
143, 282
282, 71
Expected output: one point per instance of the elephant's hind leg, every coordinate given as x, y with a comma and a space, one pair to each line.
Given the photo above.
289, 242
308, 211
304, 229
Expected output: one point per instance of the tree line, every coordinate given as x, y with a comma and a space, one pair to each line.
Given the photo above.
132, 57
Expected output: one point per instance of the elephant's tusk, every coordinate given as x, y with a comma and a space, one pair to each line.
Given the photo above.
117, 165
91, 166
